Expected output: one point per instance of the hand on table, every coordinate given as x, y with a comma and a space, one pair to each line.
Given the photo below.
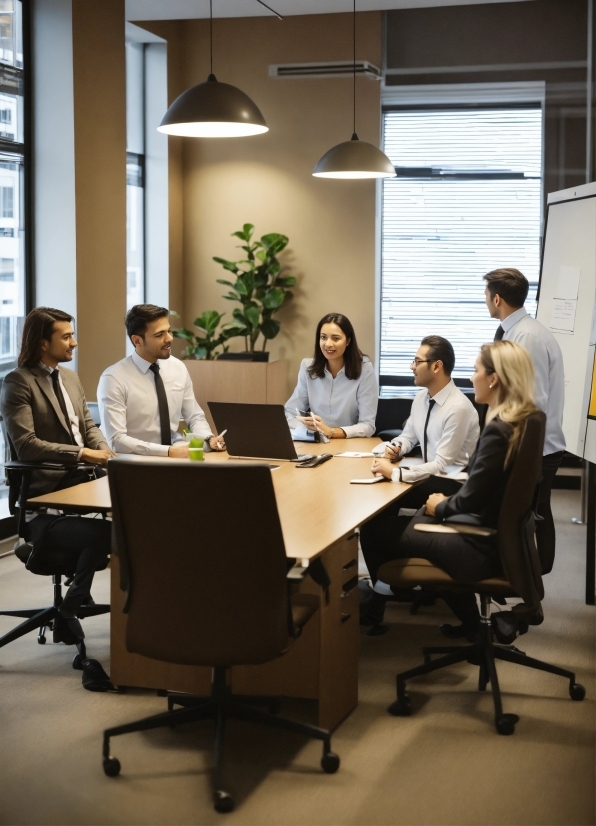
382, 467
217, 443
96, 457
392, 452
432, 502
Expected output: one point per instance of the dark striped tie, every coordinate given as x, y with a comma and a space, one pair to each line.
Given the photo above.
162, 406
431, 404
500, 333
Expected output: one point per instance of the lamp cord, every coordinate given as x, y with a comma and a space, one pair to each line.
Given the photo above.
211, 36
354, 55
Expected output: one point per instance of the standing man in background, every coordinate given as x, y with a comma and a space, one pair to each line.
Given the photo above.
505, 294
143, 397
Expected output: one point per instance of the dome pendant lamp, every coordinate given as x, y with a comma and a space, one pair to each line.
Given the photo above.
354, 158
213, 109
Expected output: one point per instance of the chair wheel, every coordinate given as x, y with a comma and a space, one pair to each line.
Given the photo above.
330, 762
41, 639
76, 662
577, 691
400, 708
505, 725
223, 802
111, 767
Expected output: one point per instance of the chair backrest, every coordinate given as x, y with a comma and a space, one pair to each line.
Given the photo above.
517, 544
93, 408
204, 561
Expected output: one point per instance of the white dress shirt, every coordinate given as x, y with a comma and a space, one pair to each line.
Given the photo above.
549, 373
341, 402
73, 418
129, 411
452, 433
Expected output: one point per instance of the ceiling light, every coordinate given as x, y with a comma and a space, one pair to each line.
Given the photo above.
354, 158
213, 109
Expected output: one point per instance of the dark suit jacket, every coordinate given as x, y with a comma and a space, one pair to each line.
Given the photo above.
482, 493
35, 424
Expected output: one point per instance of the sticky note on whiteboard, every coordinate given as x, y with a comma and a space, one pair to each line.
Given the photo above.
568, 283
563, 316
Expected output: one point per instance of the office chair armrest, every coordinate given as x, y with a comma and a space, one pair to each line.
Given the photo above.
452, 526
24, 466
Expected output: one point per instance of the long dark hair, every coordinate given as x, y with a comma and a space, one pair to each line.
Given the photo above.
352, 356
38, 327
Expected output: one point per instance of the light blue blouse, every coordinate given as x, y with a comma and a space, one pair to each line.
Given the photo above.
341, 402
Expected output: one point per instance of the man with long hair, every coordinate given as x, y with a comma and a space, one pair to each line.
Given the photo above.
46, 419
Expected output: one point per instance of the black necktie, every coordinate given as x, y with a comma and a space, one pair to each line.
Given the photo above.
500, 333
55, 374
431, 404
162, 406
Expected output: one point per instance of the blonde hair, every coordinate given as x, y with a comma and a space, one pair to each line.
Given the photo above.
513, 366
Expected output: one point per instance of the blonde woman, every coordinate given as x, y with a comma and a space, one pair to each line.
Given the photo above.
503, 379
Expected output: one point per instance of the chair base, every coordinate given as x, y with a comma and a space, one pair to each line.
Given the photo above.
49, 618
221, 706
482, 654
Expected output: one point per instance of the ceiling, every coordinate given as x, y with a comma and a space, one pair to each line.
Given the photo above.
187, 9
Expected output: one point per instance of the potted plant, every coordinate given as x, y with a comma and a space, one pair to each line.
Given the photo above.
260, 288
205, 342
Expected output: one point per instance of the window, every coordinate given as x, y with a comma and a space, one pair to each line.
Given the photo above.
13, 300
466, 200
135, 231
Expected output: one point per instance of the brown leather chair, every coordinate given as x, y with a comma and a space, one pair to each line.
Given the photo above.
521, 578
203, 561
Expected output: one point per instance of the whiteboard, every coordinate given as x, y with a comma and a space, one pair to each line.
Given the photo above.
569, 269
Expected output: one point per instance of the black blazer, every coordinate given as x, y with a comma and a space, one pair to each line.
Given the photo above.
482, 493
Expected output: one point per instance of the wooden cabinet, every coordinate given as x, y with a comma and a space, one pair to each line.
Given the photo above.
252, 382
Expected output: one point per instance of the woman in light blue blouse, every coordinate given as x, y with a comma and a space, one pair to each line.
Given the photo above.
337, 391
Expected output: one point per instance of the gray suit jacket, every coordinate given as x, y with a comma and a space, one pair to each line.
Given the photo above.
35, 424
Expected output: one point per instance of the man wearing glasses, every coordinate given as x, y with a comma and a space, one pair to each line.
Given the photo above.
444, 422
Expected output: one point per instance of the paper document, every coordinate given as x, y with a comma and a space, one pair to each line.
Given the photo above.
568, 283
563, 315
371, 480
354, 454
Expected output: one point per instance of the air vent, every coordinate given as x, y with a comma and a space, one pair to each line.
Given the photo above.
331, 69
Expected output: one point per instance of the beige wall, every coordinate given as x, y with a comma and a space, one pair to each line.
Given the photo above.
100, 184
266, 180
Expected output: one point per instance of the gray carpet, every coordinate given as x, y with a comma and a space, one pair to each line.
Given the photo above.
443, 765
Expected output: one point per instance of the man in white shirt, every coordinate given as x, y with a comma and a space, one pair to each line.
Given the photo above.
505, 294
143, 397
444, 422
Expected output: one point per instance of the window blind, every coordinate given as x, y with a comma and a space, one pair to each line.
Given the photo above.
466, 200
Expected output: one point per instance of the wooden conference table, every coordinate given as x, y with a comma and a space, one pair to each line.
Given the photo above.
319, 510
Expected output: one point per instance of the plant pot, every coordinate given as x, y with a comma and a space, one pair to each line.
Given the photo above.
246, 355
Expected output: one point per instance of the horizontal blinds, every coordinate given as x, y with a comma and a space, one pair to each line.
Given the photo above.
466, 200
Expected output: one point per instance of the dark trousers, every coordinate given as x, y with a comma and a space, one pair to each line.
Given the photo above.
379, 538
545, 530
83, 540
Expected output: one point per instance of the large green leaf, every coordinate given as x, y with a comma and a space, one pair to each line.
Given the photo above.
285, 281
223, 281
274, 242
253, 316
182, 332
274, 298
227, 265
270, 328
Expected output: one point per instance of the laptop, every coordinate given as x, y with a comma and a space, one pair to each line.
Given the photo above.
255, 431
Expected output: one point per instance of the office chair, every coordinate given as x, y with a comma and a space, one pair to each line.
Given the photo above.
389, 413
220, 579
521, 578
19, 477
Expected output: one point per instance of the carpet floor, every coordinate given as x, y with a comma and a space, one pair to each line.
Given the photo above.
443, 765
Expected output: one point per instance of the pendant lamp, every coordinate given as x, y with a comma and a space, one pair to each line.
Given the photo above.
213, 109
354, 158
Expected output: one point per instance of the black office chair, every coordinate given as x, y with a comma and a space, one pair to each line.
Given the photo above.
521, 567
220, 581
18, 478
389, 413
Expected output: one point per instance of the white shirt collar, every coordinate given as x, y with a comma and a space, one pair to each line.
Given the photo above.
43, 366
512, 319
441, 397
141, 363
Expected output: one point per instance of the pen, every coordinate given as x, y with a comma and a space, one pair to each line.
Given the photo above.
222, 434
